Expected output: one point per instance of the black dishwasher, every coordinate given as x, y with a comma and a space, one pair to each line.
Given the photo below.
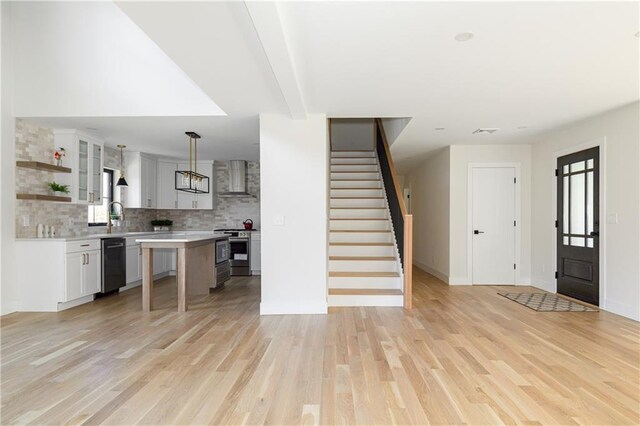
114, 264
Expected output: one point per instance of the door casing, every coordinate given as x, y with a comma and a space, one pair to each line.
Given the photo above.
519, 279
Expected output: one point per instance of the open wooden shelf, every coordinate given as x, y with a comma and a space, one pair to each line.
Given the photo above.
37, 165
42, 197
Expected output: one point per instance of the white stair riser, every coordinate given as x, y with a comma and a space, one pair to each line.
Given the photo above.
352, 168
341, 154
362, 251
365, 192
370, 160
363, 266
360, 237
394, 283
356, 202
358, 175
360, 300
382, 213
359, 224
356, 184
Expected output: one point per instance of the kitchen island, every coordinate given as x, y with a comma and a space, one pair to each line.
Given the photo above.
195, 265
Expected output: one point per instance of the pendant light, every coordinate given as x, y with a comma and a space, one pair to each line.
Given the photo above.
190, 180
122, 181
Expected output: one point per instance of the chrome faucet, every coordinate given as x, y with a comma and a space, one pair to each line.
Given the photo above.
109, 223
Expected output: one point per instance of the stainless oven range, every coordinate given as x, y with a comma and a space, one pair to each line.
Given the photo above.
239, 250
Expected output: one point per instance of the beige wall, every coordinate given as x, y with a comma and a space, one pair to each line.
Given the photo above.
618, 131
429, 185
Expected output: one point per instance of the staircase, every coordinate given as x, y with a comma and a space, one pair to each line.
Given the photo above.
364, 269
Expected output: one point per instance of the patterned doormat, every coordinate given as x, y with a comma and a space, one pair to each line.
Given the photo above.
547, 302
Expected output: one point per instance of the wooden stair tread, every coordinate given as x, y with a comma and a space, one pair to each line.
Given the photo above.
363, 231
368, 258
364, 292
334, 158
357, 198
356, 180
358, 218
353, 164
359, 243
347, 274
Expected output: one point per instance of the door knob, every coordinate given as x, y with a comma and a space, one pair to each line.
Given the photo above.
476, 232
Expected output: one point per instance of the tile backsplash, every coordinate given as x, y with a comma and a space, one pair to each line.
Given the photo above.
35, 143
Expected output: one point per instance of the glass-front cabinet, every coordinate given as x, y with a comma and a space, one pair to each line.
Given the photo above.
84, 154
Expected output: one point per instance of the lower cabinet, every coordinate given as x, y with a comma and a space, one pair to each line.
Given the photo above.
256, 258
134, 263
164, 260
83, 274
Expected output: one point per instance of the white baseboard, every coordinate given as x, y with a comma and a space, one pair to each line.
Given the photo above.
460, 281
623, 309
544, 285
131, 286
73, 303
293, 308
8, 307
439, 275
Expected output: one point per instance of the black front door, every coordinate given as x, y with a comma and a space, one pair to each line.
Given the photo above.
578, 225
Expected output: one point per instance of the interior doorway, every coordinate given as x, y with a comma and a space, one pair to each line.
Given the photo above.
578, 225
493, 225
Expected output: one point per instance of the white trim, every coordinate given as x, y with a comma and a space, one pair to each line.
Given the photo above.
626, 310
293, 308
439, 275
517, 278
9, 307
76, 302
600, 142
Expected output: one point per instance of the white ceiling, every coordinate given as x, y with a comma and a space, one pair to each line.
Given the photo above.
534, 64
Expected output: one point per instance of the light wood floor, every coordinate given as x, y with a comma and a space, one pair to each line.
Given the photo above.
463, 355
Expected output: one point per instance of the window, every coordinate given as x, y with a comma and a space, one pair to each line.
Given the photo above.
98, 214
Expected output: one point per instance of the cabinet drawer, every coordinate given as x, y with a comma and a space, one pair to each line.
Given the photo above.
85, 245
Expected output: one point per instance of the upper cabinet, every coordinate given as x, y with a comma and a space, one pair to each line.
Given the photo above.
140, 172
170, 198
85, 156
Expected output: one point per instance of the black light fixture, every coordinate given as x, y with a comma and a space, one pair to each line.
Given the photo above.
190, 180
122, 181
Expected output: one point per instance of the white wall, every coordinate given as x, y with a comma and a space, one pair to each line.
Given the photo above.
429, 185
294, 175
8, 289
620, 169
352, 134
461, 156
393, 127
88, 59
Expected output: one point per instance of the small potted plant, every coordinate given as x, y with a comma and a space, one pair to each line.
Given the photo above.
58, 189
162, 224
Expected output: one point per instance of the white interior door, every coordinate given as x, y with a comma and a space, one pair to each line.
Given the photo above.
493, 221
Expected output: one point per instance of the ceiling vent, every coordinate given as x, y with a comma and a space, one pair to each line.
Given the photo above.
485, 130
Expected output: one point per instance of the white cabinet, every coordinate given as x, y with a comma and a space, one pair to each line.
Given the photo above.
85, 156
166, 190
140, 173
158, 261
169, 198
256, 258
134, 263
83, 273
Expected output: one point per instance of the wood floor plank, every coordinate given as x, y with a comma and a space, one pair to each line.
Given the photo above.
462, 355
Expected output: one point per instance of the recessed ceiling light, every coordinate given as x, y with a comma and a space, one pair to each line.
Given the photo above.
439, 128
256, 143
523, 127
485, 130
464, 36
91, 128
638, 34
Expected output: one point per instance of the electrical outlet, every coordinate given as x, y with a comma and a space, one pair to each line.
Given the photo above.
25, 220
433, 260
544, 268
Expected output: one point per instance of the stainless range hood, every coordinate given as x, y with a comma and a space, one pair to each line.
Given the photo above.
237, 180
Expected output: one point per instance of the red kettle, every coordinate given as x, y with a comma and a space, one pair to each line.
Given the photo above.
248, 224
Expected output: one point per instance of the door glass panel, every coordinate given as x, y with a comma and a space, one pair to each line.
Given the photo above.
590, 163
97, 173
565, 204
589, 202
576, 167
577, 205
565, 240
590, 242
577, 241
565, 169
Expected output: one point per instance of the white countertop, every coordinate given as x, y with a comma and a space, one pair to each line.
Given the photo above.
176, 237
118, 235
